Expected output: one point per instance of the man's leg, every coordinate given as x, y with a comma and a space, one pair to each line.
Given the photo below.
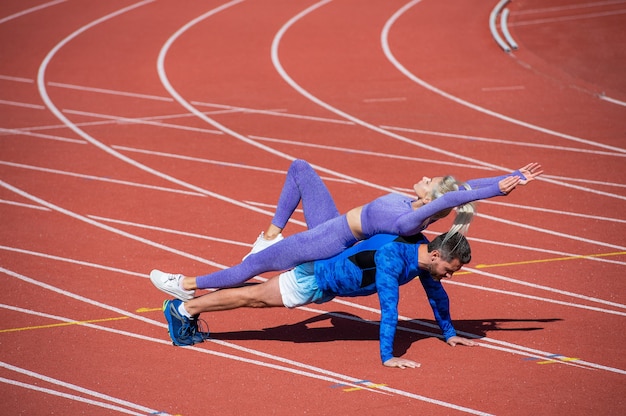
182, 317
264, 295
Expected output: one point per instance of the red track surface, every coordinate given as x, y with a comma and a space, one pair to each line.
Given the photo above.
112, 165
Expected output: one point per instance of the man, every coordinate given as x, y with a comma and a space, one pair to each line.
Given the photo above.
380, 264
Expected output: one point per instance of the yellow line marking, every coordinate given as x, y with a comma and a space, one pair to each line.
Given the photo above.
91, 321
484, 266
371, 386
144, 310
556, 361
27, 328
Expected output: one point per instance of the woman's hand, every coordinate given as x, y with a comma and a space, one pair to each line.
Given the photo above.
530, 171
509, 183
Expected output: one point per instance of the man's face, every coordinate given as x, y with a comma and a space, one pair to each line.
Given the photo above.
440, 269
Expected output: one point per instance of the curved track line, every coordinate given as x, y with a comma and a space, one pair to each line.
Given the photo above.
122, 312
305, 93
157, 245
311, 97
289, 80
414, 78
147, 320
162, 75
41, 83
31, 10
168, 86
46, 98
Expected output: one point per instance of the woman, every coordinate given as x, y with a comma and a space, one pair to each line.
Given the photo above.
330, 233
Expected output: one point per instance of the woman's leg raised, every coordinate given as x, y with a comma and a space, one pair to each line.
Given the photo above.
323, 241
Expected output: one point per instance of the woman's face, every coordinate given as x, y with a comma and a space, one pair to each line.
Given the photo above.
424, 188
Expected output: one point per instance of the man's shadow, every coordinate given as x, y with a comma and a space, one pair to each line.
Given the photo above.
342, 326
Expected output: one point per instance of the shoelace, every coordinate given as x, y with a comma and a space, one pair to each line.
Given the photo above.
186, 330
198, 325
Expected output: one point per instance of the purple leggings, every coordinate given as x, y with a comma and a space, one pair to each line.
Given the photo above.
328, 233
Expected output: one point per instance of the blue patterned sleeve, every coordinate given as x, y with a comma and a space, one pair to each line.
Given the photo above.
440, 303
389, 267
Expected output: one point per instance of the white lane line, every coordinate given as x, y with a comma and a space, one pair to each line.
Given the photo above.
502, 141
111, 92
567, 18
31, 10
20, 104
168, 86
558, 212
41, 84
507, 347
17, 79
216, 162
40, 136
571, 7
68, 396
20, 204
384, 40
99, 178
79, 389
171, 231
390, 56
73, 261
554, 233
334, 377
377, 311
150, 121
323, 375
546, 300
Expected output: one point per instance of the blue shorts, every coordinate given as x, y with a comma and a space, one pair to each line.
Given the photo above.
298, 287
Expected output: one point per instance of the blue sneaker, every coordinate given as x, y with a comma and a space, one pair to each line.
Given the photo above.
198, 335
182, 330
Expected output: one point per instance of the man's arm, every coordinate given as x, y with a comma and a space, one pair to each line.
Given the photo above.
389, 267
440, 303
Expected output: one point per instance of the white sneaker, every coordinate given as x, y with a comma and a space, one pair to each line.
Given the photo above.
261, 243
170, 284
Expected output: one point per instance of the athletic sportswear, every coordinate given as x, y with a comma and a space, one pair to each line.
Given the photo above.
329, 233
381, 265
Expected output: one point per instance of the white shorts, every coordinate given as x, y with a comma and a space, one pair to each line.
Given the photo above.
298, 287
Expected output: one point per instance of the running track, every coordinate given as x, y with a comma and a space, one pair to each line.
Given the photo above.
156, 134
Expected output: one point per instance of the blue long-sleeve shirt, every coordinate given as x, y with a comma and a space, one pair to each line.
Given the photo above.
381, 265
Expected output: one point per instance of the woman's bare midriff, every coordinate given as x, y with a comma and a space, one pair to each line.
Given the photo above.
354, 222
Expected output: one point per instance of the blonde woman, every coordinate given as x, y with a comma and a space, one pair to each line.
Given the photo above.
330, 233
